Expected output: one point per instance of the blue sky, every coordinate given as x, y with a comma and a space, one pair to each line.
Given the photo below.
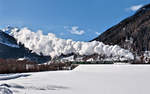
75, 19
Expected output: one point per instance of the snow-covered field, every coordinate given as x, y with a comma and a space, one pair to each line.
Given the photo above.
85, 79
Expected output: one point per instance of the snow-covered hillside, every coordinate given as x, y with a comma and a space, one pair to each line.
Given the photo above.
50, 45
7, 40
85, 79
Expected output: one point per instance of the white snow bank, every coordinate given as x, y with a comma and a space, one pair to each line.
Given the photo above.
53, 46
12, 76
4, 90
86, 79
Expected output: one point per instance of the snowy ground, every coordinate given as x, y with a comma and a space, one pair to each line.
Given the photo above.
85, 79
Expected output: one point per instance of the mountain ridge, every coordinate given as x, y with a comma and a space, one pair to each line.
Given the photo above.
131, 33
10, 49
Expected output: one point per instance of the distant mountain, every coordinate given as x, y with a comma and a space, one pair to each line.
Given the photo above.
132, 33
10, 49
